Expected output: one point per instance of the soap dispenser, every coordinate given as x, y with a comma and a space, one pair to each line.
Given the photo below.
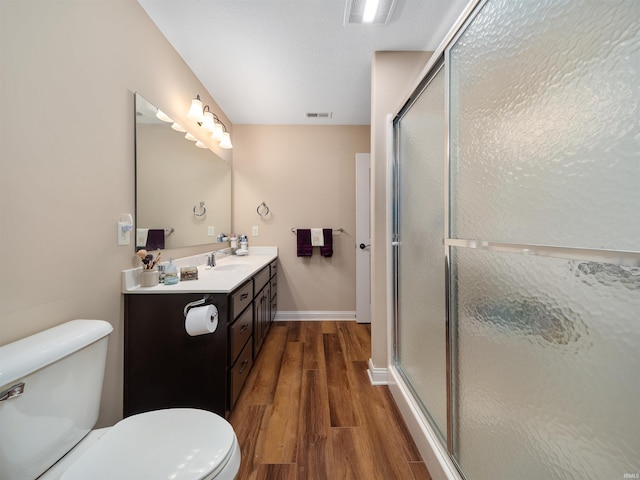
171, 274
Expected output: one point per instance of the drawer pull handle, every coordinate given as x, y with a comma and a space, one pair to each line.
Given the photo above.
244, 296
244, 364
244, 327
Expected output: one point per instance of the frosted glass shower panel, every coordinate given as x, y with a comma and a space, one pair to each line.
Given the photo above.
545, 124
421, 352
548, 364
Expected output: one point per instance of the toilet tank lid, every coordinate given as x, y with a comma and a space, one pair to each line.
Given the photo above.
25, 356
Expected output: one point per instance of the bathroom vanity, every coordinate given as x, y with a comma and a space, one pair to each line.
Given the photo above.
166, 367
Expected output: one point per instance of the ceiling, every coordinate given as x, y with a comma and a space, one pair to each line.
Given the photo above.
273, 61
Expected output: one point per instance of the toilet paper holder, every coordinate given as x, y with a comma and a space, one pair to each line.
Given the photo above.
195, 303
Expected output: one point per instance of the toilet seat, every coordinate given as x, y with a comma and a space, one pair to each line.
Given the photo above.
176, 443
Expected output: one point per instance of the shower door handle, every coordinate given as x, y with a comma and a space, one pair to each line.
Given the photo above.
363, 246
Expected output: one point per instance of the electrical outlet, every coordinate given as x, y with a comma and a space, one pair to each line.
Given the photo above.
211, 232
254, 231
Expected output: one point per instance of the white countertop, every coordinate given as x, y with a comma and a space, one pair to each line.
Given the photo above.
229, 273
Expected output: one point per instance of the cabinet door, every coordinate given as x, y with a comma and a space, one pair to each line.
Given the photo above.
164, 367
261, 318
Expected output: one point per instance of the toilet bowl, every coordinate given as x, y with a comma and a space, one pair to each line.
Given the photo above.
50, 388
180, 444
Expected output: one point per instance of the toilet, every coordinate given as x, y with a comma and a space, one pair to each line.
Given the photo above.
50, 389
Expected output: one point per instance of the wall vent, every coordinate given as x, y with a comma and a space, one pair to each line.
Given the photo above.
319, 114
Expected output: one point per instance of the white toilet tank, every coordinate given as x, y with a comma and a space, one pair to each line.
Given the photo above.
62, 370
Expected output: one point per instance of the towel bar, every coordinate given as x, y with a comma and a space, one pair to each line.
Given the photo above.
339, 230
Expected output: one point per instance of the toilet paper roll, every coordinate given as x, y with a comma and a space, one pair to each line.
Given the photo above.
201, 320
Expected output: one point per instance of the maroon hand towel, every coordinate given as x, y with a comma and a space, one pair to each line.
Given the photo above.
304, 242
327, 250
155, 239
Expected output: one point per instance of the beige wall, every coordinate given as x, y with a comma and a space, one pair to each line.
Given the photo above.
69, 70
306, 175
393, 77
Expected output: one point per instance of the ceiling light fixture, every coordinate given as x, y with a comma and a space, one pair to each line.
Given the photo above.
357, 12
370, 10
209, 122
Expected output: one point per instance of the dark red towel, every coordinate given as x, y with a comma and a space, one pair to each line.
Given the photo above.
327, 250
304, 242
155, 239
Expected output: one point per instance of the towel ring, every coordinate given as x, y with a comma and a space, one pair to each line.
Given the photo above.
264, 212
203, 210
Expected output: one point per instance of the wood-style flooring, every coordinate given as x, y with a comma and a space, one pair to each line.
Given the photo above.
309, 412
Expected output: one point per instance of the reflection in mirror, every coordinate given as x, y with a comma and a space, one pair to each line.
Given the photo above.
173, 178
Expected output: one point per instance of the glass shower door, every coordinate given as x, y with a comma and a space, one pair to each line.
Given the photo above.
421, 300
545, 229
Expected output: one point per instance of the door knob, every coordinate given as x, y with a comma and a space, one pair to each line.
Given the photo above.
363, 246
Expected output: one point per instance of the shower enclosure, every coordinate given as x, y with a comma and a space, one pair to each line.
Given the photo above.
516, 241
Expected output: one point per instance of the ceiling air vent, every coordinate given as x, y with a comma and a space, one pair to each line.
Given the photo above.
319, 114
355, 9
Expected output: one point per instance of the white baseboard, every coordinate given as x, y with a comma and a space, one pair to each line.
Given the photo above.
308, 316
433, 452
378, 375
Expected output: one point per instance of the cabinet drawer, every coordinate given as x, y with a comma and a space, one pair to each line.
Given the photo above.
241, 299
240, 372
274, 267
261, 279
274, 286
239, 333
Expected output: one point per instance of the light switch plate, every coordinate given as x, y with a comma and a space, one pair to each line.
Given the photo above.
255, 231
211, 231
124, 233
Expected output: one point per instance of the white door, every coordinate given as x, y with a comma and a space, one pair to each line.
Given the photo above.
363, 238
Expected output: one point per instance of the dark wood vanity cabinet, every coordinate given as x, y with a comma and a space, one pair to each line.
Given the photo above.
164, 367
261, 304
241, 332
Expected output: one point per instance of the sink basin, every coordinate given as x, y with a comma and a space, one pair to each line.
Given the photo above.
232, 267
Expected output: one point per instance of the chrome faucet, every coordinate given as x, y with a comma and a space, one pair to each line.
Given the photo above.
211, 259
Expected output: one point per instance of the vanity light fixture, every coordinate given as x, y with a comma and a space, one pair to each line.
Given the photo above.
178, 128
199, 144
188, 136
160, 115
195, 112
209, 122
226, 141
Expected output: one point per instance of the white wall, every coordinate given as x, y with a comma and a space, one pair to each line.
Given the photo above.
69, 70
306, 175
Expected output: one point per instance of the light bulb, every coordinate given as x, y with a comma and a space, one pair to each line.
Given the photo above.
226, 141
195, 112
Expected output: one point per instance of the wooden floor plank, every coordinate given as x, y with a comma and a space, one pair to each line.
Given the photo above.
259, 389
356, 340
342, 399
281, 438
250, 437
311, 335
315, 456
353, 454
283, 415
382, 422
281, 471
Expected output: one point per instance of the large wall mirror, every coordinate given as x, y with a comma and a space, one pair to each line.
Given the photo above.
183, 193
